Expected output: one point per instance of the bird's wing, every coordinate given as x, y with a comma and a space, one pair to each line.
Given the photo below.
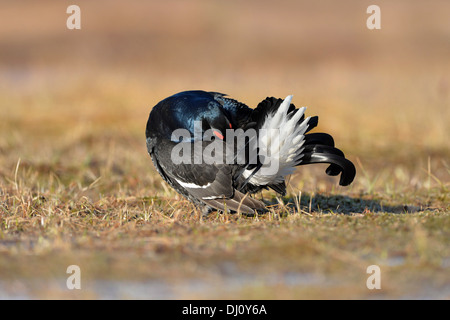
211, 182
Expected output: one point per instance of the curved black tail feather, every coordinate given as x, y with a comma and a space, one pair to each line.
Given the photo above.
319, 138
335, 157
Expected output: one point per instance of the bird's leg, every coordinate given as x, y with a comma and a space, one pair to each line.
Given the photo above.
206, 210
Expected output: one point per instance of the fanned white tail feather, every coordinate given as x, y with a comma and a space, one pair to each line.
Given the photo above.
280, 145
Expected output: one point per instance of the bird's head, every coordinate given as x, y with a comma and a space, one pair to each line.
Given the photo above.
214, 123
197, 112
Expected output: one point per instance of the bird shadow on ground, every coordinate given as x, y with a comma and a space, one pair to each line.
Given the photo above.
341, 204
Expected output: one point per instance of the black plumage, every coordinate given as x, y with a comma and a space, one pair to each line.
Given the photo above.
218, 172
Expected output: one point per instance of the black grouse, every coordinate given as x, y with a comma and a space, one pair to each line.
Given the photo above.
215, 151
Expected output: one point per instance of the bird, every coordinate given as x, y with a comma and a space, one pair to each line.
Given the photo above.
217, 152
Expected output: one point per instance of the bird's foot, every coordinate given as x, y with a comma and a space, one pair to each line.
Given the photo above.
206, 210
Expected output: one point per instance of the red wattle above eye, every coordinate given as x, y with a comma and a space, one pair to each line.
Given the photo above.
218, 134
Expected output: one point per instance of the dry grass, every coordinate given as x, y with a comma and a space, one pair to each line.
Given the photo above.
77, 185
